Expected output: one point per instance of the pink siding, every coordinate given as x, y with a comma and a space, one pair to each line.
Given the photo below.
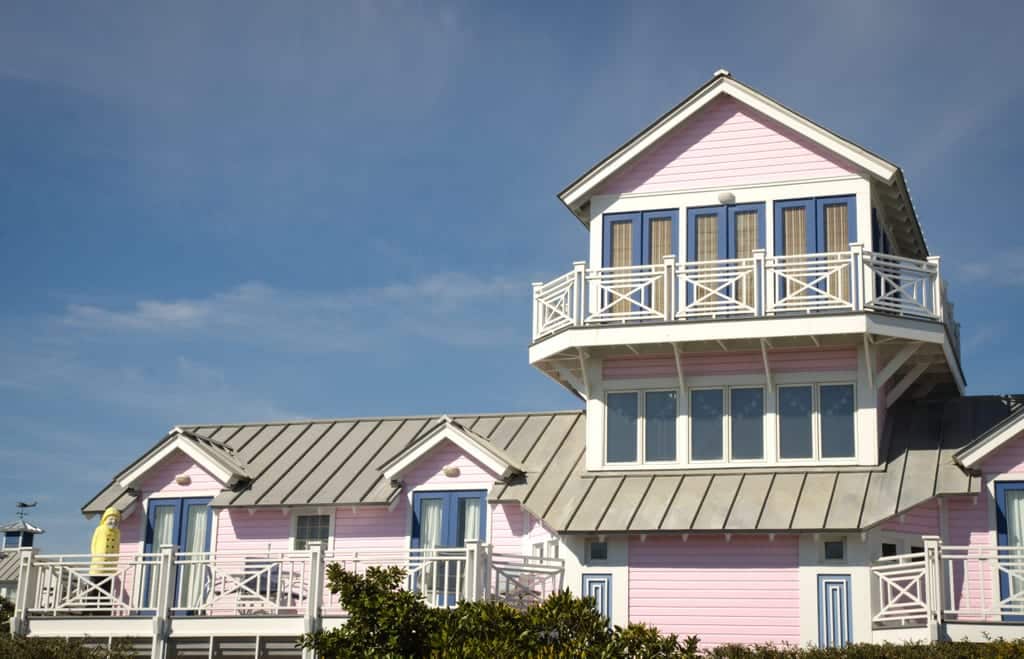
922, 519
1009, 459
427, 472
731, 363
253, 530
160, 479
507, 528
725, 144
968, 524
742, 591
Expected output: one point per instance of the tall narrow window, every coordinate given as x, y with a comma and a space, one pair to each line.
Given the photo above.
659, 228
706, 412
311, 528
623, 411
837, 239
796, 439
622, 255
747, 240
659, 426
837, 439
747, 414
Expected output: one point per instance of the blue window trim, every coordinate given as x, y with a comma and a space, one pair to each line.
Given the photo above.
822, 580
641, 231
731, 219
603, 578
180, 506
609, 219
449, 511
1003, 537
726, 227
646, 218
815, 213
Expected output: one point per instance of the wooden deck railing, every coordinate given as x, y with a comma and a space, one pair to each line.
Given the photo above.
760, 286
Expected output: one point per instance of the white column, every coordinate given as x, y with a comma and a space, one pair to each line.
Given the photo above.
313, 618
164, 601
933, 584
24, 599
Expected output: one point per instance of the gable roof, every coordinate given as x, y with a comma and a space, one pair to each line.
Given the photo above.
21, 526
476, 446
212, 455
972, 455
340, 461
577, 193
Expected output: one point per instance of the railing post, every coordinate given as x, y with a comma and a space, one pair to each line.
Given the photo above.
313, 619
759, 283
936, 288
579, 275
933, 584
470, 577
670, 284
536, 308
23, 600
770, 296
857, 276
164, 601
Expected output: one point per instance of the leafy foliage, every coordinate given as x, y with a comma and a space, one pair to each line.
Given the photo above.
59, 648
385, 620
6, 611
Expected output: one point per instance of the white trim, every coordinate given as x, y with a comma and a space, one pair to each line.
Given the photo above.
330, 512
751, 98
816, 438
394, 469
971, 457
179, 442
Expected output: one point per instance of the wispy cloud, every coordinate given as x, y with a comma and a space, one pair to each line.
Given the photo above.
451, 308
1003, 268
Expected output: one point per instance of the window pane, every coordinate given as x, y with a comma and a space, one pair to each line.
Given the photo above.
837, 421
747, 424
660, 419
469, 520
795, 422
622, 414
311, 528
706, 424
834, 550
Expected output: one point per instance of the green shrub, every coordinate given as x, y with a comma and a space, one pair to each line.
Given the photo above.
58, 648
6, 611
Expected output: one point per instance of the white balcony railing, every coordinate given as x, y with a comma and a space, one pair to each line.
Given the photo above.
276, 583
948, 584
760, 286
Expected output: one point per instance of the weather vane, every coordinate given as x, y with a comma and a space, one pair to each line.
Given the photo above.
21, 506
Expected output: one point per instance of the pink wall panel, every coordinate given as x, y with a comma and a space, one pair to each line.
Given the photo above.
968, 524
731, 363
1009, 459
160, 479
922, 519
742, 591
725, 144
427, 472
507, 528
253, 530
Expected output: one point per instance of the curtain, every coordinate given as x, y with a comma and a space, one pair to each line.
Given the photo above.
195, 541
794, 221
430, 523
470, 509
837, 231
707, 238
163, 534
622, 255
661, 246
746, 243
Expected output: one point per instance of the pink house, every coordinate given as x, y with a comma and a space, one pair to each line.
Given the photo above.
774, 441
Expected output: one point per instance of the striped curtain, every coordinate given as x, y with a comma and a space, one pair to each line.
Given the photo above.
622, 255
746, 243
661, 246
794, 226
837, 231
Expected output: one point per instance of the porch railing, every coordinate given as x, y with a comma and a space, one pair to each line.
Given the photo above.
948, 583
281, 583
851, 281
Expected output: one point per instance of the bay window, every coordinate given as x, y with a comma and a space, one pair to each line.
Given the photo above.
816, 422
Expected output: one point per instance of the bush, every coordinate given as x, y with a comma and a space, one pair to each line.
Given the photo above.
59, 648
6, 612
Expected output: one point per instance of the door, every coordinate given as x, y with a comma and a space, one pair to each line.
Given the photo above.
722, 233
184, 523
835, 628
637, 239
445, 520
1010, 534
804, 227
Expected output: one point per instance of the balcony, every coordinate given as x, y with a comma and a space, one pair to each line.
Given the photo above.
272, 594
854, 281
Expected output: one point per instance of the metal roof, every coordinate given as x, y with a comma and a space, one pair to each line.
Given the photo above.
20, 526
338, 462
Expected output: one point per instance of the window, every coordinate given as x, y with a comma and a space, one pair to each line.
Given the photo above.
889, 549
835, 550
597, 550
311, 528
733, 413
816, 422
650, 415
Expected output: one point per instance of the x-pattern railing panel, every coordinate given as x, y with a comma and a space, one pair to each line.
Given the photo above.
811, 282
64, 584
628, 293
556, 304
902, 592
717, 288
902, 286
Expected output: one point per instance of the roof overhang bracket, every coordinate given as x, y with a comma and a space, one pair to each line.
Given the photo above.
679, 370
905, 382
767, 364
898, 360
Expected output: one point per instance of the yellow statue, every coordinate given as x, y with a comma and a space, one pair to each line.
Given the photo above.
106, 544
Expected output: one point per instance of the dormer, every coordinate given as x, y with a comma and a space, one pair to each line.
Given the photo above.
757, 293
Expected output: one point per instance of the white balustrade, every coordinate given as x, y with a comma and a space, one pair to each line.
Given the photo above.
524, 580
982, 583
900, 587
760, 286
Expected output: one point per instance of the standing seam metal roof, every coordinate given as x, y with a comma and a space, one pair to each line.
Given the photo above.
338, 462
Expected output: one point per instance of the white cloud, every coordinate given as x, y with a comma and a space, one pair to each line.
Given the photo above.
1004, 268
450, 308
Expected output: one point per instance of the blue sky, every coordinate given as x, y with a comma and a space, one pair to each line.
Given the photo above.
239, 211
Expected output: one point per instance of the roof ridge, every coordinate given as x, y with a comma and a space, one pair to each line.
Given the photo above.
191, 427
